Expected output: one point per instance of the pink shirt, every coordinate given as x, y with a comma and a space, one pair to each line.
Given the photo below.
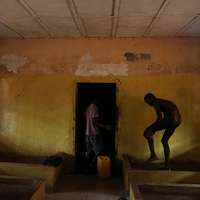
91, 112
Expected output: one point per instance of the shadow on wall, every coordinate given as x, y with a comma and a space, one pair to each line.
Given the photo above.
191, 156
118, 169
7, 150
69, 163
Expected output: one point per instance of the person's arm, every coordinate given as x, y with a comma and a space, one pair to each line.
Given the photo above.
95, 122
159, 117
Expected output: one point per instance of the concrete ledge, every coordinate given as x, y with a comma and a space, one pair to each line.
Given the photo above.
157, 176
20, 167
22, 188
157, 191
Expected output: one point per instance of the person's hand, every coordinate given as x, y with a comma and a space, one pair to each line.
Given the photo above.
110, 127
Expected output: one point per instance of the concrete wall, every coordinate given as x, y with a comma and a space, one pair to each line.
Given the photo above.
38, 92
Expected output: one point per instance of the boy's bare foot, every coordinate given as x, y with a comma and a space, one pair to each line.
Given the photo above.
167, 168
151, 159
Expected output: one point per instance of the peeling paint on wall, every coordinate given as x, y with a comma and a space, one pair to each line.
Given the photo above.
88, 68
12, 62
3, 70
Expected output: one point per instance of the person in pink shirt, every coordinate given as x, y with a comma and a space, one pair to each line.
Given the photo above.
93, 139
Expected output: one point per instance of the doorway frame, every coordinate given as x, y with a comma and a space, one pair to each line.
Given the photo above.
117, 82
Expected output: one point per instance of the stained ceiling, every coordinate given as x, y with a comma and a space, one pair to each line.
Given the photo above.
99, 18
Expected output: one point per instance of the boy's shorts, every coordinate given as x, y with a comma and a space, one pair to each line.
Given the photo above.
95, 143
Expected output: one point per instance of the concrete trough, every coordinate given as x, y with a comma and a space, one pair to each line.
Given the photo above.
22, 188
150, 173
29, 166
168, 191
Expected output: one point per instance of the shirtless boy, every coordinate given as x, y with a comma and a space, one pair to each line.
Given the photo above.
170, 120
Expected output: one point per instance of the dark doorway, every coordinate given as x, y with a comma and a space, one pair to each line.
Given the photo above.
107, 115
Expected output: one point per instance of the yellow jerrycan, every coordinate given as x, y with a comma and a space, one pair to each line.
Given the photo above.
103, 167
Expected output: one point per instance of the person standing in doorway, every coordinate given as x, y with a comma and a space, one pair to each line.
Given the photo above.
93, 139
170, 120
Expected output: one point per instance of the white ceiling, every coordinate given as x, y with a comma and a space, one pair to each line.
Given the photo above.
99, 18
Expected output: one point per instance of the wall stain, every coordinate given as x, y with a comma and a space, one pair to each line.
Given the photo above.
119, 81
3, 70
131, 56
145, 56
181, 92
76, 57
134, 57
59, 68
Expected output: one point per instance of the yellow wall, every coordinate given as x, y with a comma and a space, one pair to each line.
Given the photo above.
38, 92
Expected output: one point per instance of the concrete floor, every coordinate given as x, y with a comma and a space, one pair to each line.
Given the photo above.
87, 187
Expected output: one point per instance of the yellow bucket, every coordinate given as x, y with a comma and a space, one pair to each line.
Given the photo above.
103, 167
